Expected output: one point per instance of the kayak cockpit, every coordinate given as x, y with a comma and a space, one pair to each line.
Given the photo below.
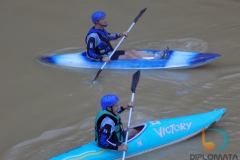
137, 130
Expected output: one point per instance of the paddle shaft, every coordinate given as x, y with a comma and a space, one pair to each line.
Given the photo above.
128, 125
118, 45
135, 21
135, 80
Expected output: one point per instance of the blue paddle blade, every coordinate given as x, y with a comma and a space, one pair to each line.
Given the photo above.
135, 80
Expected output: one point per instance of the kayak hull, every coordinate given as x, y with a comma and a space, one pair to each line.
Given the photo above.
153, 135
174, 60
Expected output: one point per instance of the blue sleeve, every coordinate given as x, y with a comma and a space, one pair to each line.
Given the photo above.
90, 50
120, 109
103, 139
112, 36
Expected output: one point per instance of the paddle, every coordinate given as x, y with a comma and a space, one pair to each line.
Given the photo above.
135, 21
135, 80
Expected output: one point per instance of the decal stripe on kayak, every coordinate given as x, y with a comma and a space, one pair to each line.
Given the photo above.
84, 155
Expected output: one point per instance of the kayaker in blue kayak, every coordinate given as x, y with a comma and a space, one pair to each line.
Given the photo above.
100, 48
108, 126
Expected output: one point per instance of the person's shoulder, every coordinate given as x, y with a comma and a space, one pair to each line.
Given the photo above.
94, 35
108, 120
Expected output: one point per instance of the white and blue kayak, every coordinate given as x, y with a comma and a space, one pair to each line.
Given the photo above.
174, 60
152, 135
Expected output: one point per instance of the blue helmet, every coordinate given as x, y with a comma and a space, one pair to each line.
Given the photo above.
108, 101
97, 15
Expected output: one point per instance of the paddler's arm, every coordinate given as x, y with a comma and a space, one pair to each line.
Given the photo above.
114, 36
104, 135
127, 106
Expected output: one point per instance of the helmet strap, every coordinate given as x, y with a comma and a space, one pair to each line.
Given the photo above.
112, 111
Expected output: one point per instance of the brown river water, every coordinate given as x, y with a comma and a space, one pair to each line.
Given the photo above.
45, 110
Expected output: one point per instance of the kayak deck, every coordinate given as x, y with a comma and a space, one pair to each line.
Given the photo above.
151, 136
174, 60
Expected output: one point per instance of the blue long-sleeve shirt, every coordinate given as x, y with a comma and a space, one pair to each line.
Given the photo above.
93, 40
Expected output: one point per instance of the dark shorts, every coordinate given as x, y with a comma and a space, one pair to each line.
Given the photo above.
116, 54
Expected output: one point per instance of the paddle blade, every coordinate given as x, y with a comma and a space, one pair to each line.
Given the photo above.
135, 80
139, 15
99, 71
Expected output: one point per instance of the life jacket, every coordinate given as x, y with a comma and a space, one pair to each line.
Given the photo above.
117, 134
104, 47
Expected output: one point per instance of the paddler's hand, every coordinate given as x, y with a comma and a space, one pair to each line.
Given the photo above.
106, 59
128, 106
125, 33
123, 147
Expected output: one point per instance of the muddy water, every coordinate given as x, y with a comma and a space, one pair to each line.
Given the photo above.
48, 110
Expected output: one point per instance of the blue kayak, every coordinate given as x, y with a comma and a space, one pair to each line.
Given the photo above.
152, 135
174, 60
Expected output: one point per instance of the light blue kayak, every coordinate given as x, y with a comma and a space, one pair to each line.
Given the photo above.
152, 135
174, 60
